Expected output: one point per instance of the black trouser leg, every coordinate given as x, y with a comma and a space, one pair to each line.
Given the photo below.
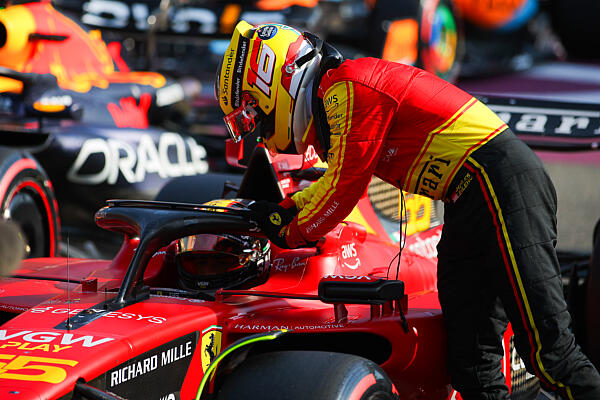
475, 319
475, 322
506, 219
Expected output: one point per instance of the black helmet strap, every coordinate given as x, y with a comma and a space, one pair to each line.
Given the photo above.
331, 58
317, 45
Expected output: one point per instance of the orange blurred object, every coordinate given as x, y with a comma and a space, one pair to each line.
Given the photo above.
42, 40
281, 4
401, 43
489, 13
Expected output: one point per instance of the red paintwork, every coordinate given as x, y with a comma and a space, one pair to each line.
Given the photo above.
129, 114
13, 171
42, 302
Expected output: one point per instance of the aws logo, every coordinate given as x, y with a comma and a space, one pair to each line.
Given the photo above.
331, 101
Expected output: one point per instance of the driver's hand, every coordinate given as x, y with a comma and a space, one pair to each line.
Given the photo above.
273, 220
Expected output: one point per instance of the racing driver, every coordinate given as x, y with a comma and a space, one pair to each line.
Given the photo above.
365, 117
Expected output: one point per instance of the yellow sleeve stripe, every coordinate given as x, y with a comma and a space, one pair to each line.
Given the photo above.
332, 176
350, 91
328, 182
455, 117
471, 150
430, 137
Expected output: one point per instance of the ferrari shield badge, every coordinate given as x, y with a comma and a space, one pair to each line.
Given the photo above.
275, 218
211, 345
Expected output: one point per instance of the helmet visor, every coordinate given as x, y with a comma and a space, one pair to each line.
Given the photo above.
243, 119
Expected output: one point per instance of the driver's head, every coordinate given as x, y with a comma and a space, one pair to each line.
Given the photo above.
264, 82
214, 261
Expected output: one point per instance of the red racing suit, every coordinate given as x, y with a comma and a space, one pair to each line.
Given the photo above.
496, 255
400, 123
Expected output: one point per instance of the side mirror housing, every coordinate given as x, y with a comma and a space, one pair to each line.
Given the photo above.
359, 290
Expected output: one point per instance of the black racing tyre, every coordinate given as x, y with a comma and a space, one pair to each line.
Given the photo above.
301, 375
27, 198
198, 189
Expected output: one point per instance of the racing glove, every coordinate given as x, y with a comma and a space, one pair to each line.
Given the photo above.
278, 223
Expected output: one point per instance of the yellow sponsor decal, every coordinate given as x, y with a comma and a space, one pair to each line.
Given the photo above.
219, 203
339, 118
8, 85
418, 213
51, 348
19, 22
357, 217
48, 108
35, 369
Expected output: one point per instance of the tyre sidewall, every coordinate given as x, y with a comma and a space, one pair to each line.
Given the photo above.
295, 375
21, 174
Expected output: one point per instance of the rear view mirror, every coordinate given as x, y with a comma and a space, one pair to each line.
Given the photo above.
359, 290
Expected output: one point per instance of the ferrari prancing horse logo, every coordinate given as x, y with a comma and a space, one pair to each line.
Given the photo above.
211, 345
275, 219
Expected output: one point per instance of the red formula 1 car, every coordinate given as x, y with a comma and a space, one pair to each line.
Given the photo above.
198, 305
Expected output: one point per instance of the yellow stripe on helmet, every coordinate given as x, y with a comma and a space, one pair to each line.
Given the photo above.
225, 81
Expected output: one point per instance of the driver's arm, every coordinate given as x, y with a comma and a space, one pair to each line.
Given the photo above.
359, 118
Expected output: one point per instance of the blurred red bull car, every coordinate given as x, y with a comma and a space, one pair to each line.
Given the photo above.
77, 127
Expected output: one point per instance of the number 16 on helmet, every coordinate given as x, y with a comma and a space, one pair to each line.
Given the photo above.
265, 82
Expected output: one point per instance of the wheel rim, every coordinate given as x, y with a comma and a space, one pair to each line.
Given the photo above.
440, 36
380, 395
